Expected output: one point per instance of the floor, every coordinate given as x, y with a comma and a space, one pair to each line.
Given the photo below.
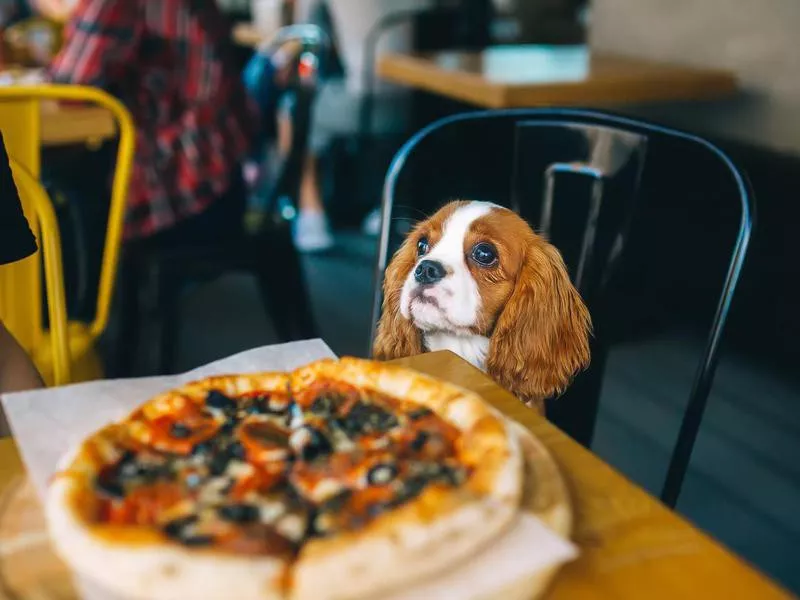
744, 484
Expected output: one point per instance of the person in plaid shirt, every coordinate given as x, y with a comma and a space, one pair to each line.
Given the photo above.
168, 61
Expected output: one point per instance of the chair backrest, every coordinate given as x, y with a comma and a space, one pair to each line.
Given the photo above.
20, 284
575, 176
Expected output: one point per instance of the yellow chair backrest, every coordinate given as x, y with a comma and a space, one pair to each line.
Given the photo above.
21, 284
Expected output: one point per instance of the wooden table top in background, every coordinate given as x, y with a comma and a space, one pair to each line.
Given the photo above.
62, 125
246, 34
65, 124
631, 545
530, 76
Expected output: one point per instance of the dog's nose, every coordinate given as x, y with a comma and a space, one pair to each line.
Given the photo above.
429, 271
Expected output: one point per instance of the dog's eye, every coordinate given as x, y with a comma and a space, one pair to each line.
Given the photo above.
484, 254
422, 246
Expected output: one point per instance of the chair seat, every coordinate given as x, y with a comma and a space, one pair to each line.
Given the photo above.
85, 364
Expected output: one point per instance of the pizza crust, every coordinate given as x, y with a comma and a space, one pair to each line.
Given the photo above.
154, 569
227, 384
379, 562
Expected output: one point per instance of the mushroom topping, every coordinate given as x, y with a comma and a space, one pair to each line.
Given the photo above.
381, 474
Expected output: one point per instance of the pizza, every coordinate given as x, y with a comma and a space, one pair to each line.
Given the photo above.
344, 479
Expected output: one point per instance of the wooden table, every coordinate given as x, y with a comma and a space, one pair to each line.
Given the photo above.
530, 76
246, 34
63, 125
631, 545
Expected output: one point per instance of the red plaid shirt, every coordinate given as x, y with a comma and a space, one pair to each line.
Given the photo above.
166, 60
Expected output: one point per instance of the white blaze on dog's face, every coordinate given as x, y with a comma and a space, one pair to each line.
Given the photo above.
440, 293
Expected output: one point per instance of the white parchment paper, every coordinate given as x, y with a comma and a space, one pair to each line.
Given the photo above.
48, 423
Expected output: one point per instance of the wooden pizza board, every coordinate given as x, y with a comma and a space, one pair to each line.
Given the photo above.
545, 495
30, 569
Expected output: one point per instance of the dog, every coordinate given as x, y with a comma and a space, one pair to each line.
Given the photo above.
476, 280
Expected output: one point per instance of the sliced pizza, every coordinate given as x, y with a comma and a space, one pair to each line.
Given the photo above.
345, 479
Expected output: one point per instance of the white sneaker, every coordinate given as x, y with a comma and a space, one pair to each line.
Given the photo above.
372, 223
312, 232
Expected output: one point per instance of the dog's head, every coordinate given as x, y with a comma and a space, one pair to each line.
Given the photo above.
475, 268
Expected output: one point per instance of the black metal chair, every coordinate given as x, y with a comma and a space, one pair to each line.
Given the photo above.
576, 176
268, 252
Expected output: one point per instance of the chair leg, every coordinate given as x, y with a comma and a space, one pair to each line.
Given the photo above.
169, 289
275, 309
299, 297
283, 290
576, 412
127, 343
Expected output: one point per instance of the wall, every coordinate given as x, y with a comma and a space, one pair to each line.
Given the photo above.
757, 39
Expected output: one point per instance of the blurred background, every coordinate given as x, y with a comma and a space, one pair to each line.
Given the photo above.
335, 110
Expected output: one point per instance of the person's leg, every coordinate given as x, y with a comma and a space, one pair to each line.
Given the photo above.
310, 192
311, 230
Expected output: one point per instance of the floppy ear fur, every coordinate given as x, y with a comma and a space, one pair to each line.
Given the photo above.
397, 337
541, 339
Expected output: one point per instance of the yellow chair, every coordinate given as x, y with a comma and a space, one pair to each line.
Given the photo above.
65, 352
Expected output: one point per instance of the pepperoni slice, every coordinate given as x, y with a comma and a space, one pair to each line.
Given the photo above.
322, 480
145, 505
325, 398
180, 436
364, 505
260, 480
256, 538
428, 437
175, 432
264, 442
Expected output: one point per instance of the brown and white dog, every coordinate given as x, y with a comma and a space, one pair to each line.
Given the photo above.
475, 279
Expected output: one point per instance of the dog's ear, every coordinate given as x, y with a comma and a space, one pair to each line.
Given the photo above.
397, 337
541, 339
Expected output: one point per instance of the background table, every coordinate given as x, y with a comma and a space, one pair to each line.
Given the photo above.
63, 125
631, 545
529, 76
246, 34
